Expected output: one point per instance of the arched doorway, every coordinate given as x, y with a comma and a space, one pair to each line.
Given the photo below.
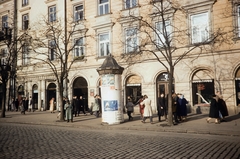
51, 93
202, 86
237, 84
80, 88
35, 96
133, 88
162, 84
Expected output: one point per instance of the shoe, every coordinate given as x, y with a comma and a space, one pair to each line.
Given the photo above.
152, 123
143, 121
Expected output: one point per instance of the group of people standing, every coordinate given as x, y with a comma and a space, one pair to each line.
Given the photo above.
74, 107
23, 104
179, 108
218, 109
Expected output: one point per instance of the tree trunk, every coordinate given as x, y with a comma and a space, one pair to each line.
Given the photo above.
170, 88
3, 100
61, 101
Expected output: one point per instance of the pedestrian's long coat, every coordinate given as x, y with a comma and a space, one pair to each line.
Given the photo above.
68, 111
214, 109
148, 108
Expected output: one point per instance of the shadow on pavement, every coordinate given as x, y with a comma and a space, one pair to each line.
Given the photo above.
233, 117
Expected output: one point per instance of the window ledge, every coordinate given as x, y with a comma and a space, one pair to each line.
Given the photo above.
24, 9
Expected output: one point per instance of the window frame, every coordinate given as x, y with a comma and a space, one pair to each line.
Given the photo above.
75, 12
105, 43
131, 4
25, 21
199, 38
52, 51
104, 5
81, 48
4, 55
4, 21
54, 13
24, 3
160, 35
131, 37
25, 54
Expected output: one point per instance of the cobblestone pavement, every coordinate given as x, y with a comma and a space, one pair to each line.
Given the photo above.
41, 141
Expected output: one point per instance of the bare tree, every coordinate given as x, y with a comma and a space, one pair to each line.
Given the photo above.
164, 36
54, 45
8, 62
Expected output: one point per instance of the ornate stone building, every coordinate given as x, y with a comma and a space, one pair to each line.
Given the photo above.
107, 30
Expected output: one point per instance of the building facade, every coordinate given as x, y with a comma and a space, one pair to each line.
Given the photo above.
107, 30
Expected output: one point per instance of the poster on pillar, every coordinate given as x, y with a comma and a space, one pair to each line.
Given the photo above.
111, 107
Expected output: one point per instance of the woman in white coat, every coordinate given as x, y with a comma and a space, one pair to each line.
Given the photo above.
147, 109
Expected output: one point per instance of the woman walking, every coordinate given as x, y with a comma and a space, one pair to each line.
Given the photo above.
129, 107
214, 110
147, 109
51, 103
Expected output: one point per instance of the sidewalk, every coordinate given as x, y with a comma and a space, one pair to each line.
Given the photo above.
196, 123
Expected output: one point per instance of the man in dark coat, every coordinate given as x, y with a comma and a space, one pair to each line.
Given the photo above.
81, 105
161, 107
16, 104
214, 109
75, 104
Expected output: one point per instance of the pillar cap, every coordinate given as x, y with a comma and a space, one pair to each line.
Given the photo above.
110, 66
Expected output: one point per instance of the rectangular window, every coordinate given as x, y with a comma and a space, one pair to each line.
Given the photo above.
238, 20
25, 22
4, 21
25, 49
78, 13
163, 33
104, 48
130, 4
131, 40
79, 47
24, 2
52, 14
200, 27
3, 56
103, 7
52, 50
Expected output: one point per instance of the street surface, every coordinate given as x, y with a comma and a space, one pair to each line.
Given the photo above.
42, 141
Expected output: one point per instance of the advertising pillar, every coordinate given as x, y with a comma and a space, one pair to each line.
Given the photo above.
112, 107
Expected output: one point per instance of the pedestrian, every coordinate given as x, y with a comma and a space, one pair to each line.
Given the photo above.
25, 105
214, 110
141, 106
161, 107
13, 105
21, 106
16, 104
100, 104
95, 108
51, 103
68, 111
129, 107
76, 106
174, 107
147, 109
182, 107
30, 104
222, 107
81, 106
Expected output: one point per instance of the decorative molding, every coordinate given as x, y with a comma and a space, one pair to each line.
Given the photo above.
24, 9
49, 1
